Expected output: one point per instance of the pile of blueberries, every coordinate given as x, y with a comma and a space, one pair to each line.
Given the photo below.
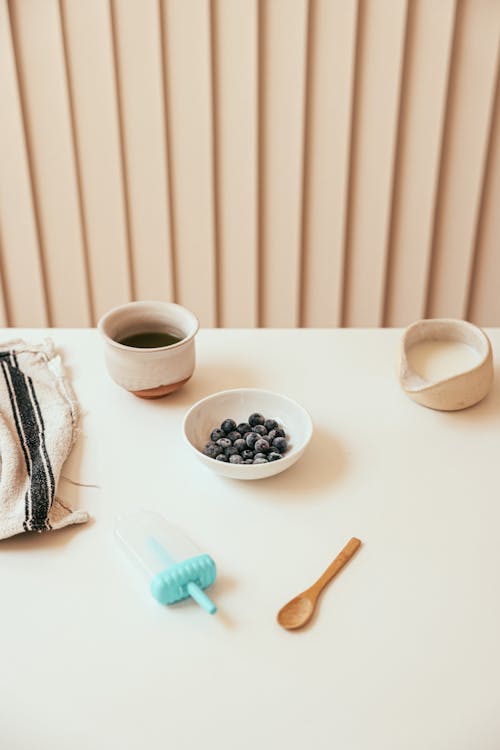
257, 441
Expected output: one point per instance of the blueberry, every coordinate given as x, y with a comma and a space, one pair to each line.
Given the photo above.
243, 428
228, 425
231, 451
260, 455
270, 424
280, 444
221, 457
260, 429
251, 438
216, 434
235, 459
212, 450
233, 435
224, 442
248, 461
240, 445
262, 446
255, 418
273, 456
260, 461
247, 455
274, 434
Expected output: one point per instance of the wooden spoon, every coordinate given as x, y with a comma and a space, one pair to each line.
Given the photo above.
298, 611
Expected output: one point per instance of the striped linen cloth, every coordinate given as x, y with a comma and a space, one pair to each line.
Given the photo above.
38, 426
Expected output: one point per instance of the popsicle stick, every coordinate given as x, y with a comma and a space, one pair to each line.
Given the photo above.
201, 598
160, 551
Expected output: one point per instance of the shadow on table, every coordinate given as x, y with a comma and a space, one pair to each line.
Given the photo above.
322, 465
211, 379
34, 541
486, 410
222, 584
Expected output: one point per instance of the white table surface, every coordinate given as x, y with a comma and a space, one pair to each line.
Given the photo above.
405, 651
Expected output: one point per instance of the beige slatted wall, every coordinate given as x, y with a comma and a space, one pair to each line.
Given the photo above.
263, 162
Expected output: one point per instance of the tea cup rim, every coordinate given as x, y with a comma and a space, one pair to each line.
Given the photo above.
137, 304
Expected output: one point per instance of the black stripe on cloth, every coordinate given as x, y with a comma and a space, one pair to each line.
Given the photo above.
43, 445
41, 425
3, 357
40, 497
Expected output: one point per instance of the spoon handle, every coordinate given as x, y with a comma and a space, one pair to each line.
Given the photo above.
342, 558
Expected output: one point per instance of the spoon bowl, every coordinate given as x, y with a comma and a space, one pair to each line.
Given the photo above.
296, 613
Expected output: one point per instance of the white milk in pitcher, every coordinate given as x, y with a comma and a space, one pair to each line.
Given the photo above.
438, 360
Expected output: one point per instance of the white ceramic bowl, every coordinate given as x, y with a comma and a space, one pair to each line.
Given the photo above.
238, 404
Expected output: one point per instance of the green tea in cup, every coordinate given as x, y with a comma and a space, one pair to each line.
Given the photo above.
150, 339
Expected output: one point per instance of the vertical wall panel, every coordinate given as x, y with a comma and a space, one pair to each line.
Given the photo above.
4, 320
87, 28
21, 269
39, 45
464, 150
379, 65
485, 298
235, 102
273, 162
187, 34
283, 71
330, 86
428, 52
140, 87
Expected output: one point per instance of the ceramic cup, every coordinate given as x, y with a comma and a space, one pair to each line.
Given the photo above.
149, 373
